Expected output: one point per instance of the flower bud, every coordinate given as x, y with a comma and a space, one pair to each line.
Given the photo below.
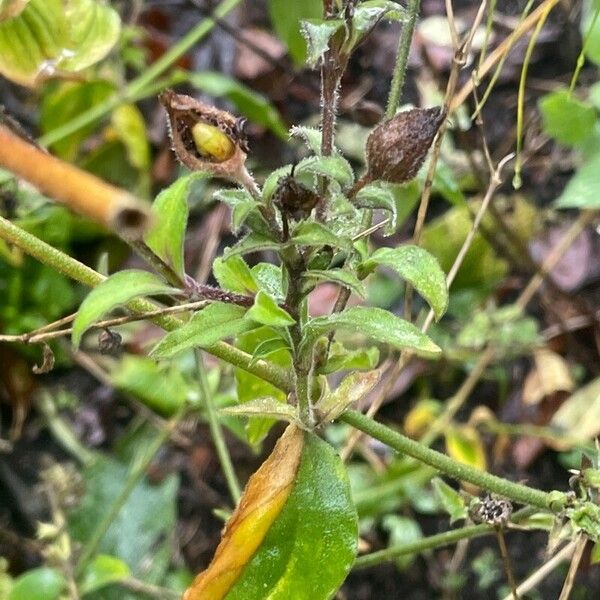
205, 138
397, 147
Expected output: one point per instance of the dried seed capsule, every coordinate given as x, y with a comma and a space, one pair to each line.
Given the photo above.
293, 197
109, 342
397, 147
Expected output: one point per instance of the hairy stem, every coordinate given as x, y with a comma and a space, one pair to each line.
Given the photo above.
441, 462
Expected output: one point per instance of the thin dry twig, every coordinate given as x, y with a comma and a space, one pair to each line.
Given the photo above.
581, 542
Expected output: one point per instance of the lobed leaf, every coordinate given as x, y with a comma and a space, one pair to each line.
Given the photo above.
114, 291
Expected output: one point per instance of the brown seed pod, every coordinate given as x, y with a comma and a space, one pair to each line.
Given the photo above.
491, 510
294, 198
205, 138
397, 147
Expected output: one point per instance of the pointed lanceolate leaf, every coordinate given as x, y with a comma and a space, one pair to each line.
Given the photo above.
167, 234
208, 326
375, 323
118, 289
420, 269
368, 14
340, 276
234, 275
451, 500
317, 33
267, 312
295, 532
253, 242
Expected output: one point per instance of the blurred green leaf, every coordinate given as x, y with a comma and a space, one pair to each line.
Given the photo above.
450, 499
420, 269
263, 407
583, 189
286, 17
233, 274
267, 312
160, 387
102, 571
402, 530
42, 583
311, 545
129, 126
114, 291
591, 35
317, 33
566, 118
463, 443
376, 323
52, 36
11, 8
244, 208
207, 326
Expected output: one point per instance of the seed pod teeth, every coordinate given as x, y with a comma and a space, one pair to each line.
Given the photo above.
205, 138
396, 149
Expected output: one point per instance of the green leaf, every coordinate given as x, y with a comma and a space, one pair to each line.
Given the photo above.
352, 388
253, 242
250, 387
267, 312
263, 407
129, 126
583, 189
311, 545
167, 234
114, 291
342, 277
378, 195
233, 274
336, 168
420, 269
207, 326
309, 135
286, 17
376, 323
589, 34
450, 499
368, 14
268, 347
402, 530
244, 208
566, 118
160, 387
52, 36
103, 570
66, 102
252, 105
42, 583
464, 444
309, 233
11, 8
269, 279
341, 359
317, 33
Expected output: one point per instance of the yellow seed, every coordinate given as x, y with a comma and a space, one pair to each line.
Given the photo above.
212, 143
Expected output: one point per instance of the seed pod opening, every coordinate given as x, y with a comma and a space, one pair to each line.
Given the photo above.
397, 147
205, 138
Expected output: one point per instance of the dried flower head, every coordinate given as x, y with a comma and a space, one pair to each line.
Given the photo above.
293, 197
491, 510
109, 342
206, 138
397, 147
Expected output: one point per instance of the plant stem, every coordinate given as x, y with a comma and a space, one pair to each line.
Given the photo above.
133, 478
67, 265
441, 462
134, 88
506, 562
402, 59
216, 431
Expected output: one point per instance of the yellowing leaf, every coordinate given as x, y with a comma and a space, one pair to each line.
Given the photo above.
464, 445
420, 416
550, 375
262, 501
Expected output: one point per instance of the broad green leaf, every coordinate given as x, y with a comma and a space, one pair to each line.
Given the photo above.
566, 118
420, 269
252, 105
590, 34
583, 189
375, 323
402, 530
450, 499
286, 17
264, 407
207, 326
167, 234
464, 444
342, 277
317, 33
309, 135
11, 8
253, 242
102, 571
368, 14
352, 388
114, 291
143, 527
309, 233
311, 545
341, 359
129, 126
268, 347
65, 103
269, 279
233, 274
267, 312
336, 168
42, 583
161, 387
53, 36
250, 387
378, 195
